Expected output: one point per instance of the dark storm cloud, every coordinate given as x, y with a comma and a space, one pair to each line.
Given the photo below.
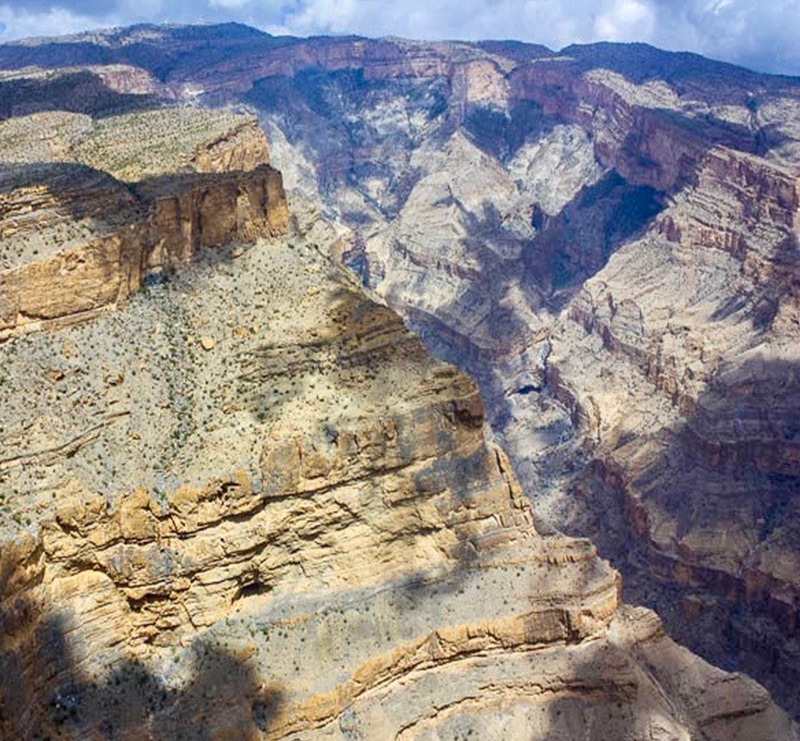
758, 33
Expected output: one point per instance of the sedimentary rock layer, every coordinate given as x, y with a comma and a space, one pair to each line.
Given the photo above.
77, 241
606, 238
248, 503
323, 543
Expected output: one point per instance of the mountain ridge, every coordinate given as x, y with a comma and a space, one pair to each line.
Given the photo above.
612, 261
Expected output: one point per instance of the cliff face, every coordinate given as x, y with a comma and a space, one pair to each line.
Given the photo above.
78, 241
321, 541
606, 239
709, 489
248, 503
634, 335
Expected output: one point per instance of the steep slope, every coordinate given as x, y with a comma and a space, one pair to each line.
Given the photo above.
605, 238
246, 502
632, 330
89, 212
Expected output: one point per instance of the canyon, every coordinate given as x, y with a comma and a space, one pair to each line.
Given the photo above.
226, 462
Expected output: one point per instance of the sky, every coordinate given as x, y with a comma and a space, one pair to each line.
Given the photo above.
761, 34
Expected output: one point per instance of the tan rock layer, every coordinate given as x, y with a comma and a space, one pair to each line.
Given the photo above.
183, 216
645, 141
416, 497
243, 148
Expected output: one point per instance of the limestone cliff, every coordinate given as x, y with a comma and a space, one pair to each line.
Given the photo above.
78, 241
321, 543
609, 248
605, 237
249, 504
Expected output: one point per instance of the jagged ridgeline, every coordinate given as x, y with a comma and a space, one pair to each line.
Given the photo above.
239, 497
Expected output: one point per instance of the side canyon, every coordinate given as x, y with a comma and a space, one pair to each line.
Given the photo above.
240, 497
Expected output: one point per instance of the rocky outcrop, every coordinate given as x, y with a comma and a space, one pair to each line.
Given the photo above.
81, 242
321, 541
306, 511
244, 147
603, 238
98, 90
708, 490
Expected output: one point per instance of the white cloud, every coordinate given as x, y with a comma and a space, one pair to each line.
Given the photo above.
754, 32
627, 20
20, 23
228, 4
758, 33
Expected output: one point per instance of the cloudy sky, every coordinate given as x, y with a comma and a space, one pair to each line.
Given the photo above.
763, 34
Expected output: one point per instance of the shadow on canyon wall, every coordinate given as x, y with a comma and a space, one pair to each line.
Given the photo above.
76, 190
45, 694
576, 244
731, 467
502, 134
566, 251
76, 92
326, 114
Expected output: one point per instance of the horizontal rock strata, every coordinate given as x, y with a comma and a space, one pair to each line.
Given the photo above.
80, 242
248, 503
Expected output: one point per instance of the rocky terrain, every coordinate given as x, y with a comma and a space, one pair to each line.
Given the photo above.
243, 500
202, 479
87, 218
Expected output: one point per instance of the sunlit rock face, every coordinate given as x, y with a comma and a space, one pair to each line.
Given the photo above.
611, 252
604, 238
240, 499
92, 209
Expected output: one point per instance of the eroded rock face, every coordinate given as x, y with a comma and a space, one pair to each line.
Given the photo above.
365, 562
625, 333
248, 503
707, 474
606, 239
78, 241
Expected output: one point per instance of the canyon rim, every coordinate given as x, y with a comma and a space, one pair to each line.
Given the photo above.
371, 389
